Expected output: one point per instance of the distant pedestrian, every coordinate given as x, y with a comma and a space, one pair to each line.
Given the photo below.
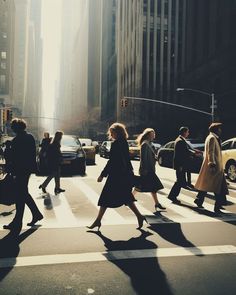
117, 190
211, 177
44, 145
149, 182
182, 154
54, 158
23, 163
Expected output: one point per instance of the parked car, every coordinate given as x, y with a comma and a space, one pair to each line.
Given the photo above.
89, 148
134, 149
166, 153
73, 156
229, 158
156, 146
104, 150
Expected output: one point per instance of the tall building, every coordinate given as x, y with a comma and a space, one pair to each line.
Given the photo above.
209, 63
148, 56
32, 102
19, 48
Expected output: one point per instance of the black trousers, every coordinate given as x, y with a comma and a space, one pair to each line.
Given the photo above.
218, 197
24, 198
180, 182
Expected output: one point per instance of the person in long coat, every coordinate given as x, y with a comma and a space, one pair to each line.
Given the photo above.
117, 190
149, 181
54, 159
211, 176
23, 164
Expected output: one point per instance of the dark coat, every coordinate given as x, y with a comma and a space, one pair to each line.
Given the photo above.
117, 190
182, 154
45, 144
54, 156
23, 153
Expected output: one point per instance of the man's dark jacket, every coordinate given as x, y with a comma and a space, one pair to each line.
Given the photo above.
23, 153
182, 154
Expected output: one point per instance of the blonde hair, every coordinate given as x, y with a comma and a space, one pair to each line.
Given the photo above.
144, 135
119, 129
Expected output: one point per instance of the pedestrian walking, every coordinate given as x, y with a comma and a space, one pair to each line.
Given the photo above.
43, 155
54, 159
23, 163
117, 190
149, 181
182, 154
211, 176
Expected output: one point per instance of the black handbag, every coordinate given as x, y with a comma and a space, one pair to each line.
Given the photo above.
8, 189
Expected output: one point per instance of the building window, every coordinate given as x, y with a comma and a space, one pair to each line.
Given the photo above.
2, 82
3, 55
3, 65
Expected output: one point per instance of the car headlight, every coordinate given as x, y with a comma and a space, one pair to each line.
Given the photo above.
80, 154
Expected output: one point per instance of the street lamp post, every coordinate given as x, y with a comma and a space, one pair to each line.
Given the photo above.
211, 95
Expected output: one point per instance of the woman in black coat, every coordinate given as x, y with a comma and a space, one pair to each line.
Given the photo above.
54, 159
117, 190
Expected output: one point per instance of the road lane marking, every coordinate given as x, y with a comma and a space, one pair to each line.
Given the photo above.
112, 216
116, 255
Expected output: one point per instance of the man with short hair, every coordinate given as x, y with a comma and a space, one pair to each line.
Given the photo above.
23, 163
211, 176
182, 153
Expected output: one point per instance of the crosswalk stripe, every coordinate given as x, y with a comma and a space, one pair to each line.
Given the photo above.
112, 216
116, 255
62, 216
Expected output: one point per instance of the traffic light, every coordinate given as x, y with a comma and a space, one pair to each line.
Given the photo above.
124, 102
9, 115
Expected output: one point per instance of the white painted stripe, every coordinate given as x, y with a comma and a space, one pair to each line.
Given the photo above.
62, 210
115, 255
111, 215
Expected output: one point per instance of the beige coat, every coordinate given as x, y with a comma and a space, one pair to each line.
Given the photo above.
211, 179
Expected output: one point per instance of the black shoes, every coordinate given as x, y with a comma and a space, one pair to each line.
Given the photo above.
198, 203
59, 190
13, 226
35, 219
174, 201
159, 206
43, 188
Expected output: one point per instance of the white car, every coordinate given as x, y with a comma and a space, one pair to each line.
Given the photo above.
229, 158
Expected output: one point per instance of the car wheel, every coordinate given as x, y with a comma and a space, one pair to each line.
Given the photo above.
160, 161
231, 171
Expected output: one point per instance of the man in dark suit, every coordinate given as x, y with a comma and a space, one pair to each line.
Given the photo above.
182, 154
23, 163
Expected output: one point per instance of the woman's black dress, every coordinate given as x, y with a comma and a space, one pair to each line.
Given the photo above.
117, 190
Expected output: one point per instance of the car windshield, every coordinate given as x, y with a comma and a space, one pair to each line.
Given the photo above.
86, 141
71, 141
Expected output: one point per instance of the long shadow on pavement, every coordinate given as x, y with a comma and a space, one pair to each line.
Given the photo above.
10, 249
174, 234
145, 273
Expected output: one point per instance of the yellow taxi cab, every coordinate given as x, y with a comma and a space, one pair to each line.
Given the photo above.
89, 149
134, 150
229, 158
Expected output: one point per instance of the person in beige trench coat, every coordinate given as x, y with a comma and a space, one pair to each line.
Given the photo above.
211, 176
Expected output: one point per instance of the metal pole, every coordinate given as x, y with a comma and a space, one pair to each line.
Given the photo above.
212, 106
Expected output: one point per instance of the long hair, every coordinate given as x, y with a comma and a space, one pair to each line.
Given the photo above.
57, 137
119, 129
144, 135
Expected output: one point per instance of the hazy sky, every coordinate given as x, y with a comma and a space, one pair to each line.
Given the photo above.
51, 28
